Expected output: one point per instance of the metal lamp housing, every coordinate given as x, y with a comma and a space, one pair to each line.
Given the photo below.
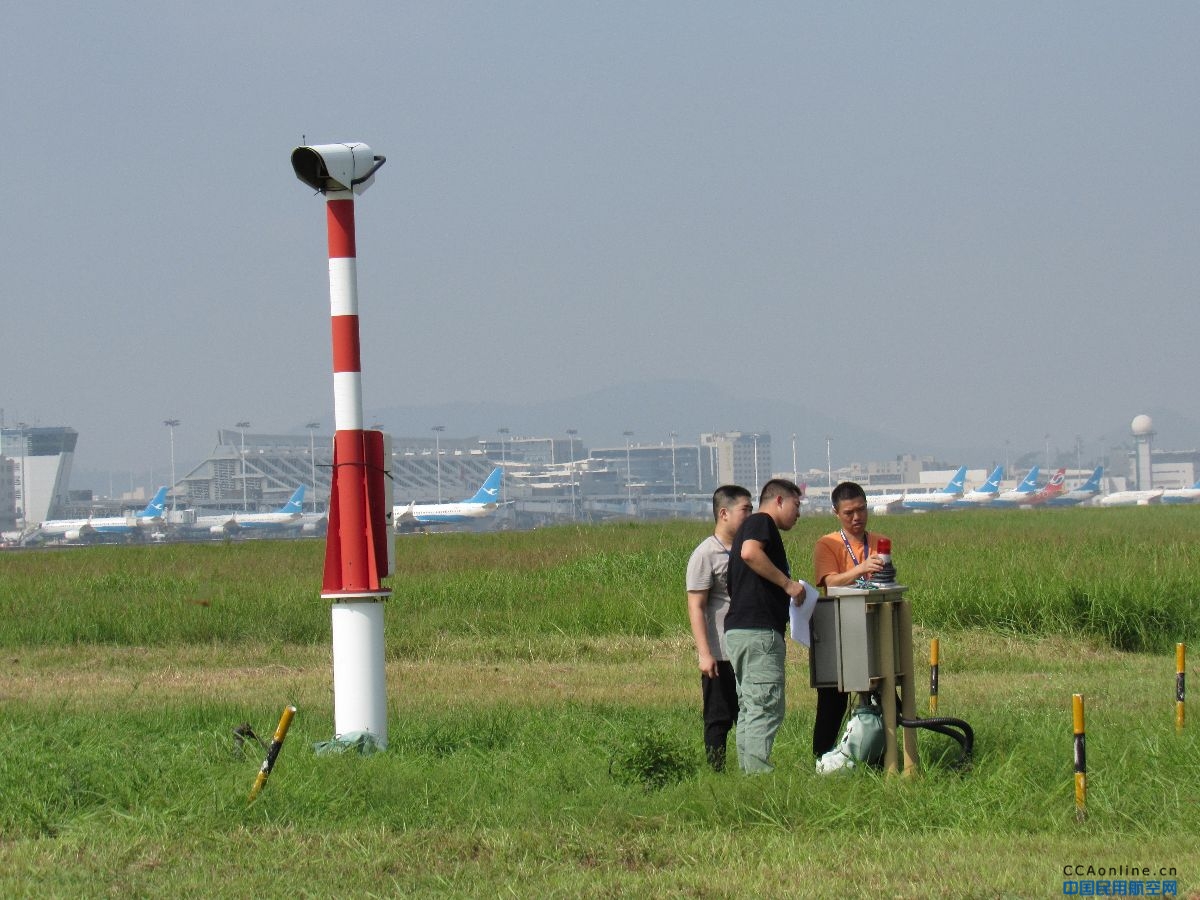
336, 167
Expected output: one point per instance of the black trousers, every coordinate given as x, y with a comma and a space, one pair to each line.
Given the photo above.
831, 709
720, 711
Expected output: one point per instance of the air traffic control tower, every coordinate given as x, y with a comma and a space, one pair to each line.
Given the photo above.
1143, 430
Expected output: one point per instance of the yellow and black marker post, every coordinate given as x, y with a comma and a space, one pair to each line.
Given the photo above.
933, 676
1080, 758
1180, 670
285, 722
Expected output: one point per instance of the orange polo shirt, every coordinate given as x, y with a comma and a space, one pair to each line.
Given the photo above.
830, 556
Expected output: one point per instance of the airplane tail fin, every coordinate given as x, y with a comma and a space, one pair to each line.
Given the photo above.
1030, 483
1055, 484
992, 485
1093, 483
955, 485
296, 503
156, 506
490, 491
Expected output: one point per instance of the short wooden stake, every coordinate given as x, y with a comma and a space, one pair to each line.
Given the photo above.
1080, 758
933, 676
285, 722
1180, 670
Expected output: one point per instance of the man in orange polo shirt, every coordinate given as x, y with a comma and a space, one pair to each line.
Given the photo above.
841, 558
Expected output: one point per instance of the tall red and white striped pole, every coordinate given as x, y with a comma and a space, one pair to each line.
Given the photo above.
357, 556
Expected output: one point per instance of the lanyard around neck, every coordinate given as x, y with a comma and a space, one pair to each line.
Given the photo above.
850, 550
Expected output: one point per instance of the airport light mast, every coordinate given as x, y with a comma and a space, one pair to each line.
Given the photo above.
358, 546
312, 459
241, 427
171, 424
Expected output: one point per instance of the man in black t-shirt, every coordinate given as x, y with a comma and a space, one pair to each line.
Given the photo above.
760, 591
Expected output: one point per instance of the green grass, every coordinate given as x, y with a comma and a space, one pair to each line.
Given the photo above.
544, 724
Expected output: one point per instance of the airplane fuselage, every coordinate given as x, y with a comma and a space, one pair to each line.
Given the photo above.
441, 513
1132, 498
1181, 495
931, 501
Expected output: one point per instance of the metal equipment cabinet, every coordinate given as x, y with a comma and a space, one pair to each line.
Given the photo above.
862, 641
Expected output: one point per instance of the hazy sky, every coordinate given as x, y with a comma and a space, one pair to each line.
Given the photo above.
945, 218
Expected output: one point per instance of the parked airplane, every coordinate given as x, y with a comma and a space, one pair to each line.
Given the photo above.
481, 506
290, 515
939, 499
1182, 495
1132, 498
1081, 494
985, 493
884, 504
1021, 493
314, 523
80, 529
1053, 488
287, 517
219, 524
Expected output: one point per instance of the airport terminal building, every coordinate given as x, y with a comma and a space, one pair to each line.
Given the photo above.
546, 478
35, 464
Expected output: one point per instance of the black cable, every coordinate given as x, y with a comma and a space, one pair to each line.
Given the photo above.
946, 725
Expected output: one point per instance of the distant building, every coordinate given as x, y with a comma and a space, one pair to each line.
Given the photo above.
272, 466
658, 469
733, 457
1174, 468
8, 498
540, 451
40, 469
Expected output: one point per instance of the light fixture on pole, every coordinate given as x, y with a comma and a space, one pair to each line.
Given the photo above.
437, 452
628, 471
171, 425
674, 482
358, 547
571, 432
502, 432
312, 458
829, 462
242, 426
22, 507
757, 489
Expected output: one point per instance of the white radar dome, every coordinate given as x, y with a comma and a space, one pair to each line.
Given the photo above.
1142, 425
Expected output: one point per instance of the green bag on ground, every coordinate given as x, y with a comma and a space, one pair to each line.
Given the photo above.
863, 742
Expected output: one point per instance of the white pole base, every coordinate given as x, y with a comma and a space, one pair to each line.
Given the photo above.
359, 684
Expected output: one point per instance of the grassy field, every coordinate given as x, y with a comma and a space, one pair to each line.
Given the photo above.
544, 724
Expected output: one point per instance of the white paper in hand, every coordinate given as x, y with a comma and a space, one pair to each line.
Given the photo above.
802, 613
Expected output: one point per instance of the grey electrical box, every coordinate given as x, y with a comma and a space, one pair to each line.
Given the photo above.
845, 637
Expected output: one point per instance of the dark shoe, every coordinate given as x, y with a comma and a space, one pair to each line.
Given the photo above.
716, 758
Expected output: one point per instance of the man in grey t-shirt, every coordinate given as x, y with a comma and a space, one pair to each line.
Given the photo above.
708, 600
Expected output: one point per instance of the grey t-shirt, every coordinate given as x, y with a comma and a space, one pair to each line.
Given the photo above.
708, 570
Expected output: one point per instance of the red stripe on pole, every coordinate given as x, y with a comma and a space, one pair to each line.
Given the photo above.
340, 227
348, 551
346, 357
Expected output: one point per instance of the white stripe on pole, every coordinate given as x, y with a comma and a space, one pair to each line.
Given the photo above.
347, 401
343, 286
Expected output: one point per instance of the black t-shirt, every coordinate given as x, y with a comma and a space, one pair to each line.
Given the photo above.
753, 601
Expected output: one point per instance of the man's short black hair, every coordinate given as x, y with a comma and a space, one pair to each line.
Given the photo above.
726, 496
847, 490
778, 487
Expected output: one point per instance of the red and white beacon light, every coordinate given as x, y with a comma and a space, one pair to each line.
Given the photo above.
358, 549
